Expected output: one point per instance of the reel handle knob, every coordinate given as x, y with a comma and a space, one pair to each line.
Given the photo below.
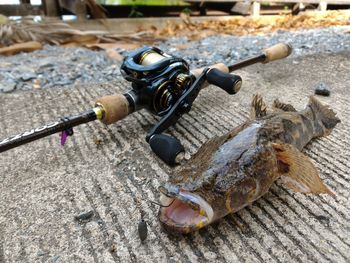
226, 81
166, 147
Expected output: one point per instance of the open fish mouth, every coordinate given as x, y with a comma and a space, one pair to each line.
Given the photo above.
184, 212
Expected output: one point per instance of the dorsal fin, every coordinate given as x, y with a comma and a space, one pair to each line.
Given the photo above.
323, 114
277, 104
258, 107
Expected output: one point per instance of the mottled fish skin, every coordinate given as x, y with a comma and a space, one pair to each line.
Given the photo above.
237, 168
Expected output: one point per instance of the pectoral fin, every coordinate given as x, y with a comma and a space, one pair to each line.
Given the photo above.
297, 171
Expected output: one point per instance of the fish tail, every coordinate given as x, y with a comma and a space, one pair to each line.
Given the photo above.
325, 119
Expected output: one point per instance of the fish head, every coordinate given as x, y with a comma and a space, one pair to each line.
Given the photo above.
216, 192
184, 211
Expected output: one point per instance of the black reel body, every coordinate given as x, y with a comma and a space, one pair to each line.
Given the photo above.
164, 85
158, 79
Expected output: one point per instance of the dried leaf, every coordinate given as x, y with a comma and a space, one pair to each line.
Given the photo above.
81, 39
186, 18
53, 32
182, 46
20, 47
126, 46
114, 55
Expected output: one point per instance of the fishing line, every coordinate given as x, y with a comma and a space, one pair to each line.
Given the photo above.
155, 203
164, 192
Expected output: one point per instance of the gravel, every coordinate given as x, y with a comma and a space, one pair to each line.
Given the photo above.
56, 66
229, 49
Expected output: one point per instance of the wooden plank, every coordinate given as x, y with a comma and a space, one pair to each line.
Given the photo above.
322, 6
20, 10
77, 7
50, 7
256, 9
332, 2
127, 25
242, 8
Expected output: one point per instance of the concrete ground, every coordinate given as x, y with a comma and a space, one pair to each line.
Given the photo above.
112, 172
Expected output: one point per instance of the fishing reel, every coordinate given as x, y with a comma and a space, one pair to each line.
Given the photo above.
164, 85
158, 79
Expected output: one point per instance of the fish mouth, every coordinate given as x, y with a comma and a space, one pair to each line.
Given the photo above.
184, 212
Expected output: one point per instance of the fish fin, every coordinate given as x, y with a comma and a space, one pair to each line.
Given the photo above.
282, 106
324, 114
258, 107
297, 171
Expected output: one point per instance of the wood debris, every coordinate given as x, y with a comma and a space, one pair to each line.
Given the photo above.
49, 31
254, 26
20, 47
52, 31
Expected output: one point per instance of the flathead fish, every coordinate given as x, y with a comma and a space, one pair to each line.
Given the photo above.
233, 170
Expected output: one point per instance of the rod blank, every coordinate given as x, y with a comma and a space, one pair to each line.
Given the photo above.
49, 129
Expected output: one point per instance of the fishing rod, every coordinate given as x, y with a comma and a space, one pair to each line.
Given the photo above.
161, 83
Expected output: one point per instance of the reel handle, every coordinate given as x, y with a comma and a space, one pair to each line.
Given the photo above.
166, 148
220, 66
226, 81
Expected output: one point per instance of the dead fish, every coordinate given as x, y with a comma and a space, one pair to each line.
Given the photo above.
231, 171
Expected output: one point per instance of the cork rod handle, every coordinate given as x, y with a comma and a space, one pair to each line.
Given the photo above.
276, 52
115, 108
220, 66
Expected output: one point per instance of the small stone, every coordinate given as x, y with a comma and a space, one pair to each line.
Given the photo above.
28, 76
8, 86
55, 258
142, 229
41, 253
37, 84
84, 216
322, 89
46, 63
63, 82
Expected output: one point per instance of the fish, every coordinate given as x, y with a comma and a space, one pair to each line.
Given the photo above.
231, 171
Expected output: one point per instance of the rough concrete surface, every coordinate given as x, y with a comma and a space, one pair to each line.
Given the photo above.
112, 172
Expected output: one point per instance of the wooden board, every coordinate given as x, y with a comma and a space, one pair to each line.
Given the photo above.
333, 2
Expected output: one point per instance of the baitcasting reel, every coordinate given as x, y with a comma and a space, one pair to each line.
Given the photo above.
162, 84
157, 78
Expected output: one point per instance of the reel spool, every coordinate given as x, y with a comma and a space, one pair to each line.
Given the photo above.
158, 79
